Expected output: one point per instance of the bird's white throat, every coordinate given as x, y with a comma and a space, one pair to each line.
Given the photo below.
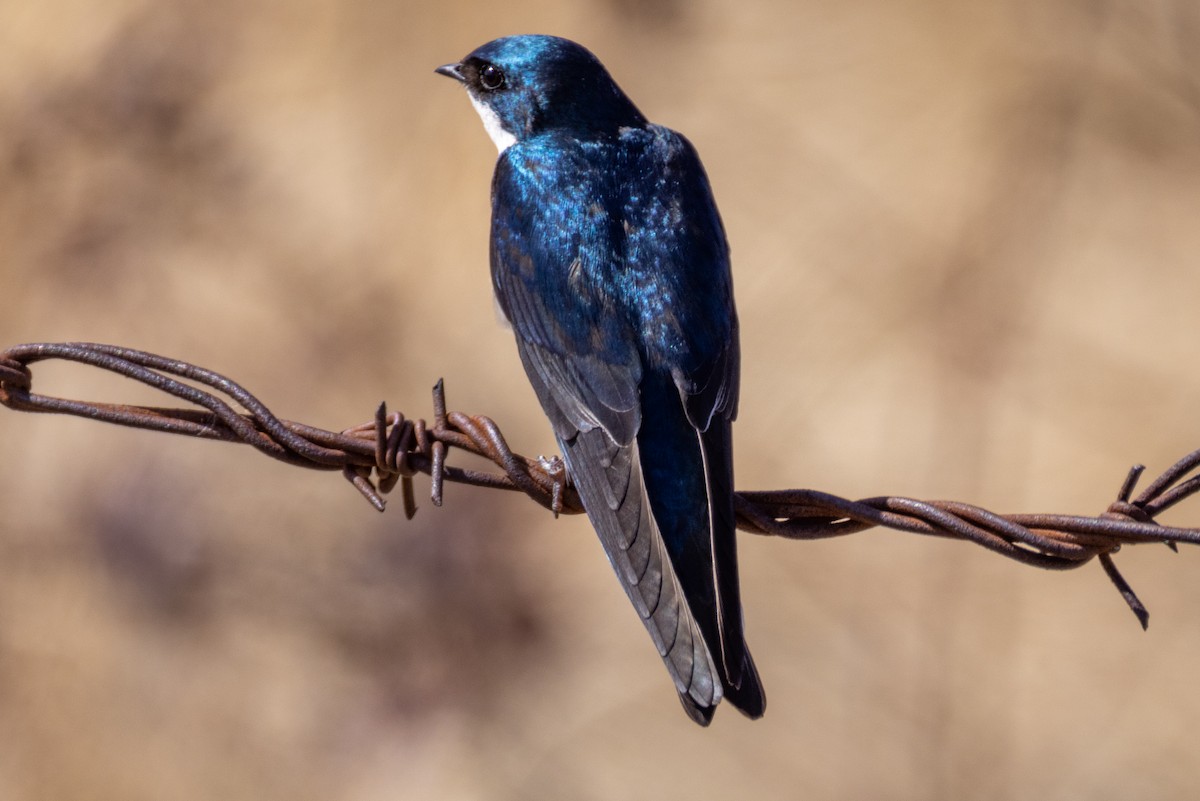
491, 124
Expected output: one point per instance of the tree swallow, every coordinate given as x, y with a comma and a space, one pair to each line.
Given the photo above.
609, 259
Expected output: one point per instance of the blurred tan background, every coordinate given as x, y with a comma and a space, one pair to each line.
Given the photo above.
966, 241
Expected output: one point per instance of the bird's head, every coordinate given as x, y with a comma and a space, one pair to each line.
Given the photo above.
525, 85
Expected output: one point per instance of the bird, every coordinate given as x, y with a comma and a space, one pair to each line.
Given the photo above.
610, 262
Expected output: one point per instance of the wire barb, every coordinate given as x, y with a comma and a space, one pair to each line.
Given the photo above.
390, 449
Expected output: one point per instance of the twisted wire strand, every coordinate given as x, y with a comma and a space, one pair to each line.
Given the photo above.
391, 449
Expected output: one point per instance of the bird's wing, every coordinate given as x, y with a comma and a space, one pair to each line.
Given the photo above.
583, 361
686, 256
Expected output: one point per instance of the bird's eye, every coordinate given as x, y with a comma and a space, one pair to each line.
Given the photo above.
491, 77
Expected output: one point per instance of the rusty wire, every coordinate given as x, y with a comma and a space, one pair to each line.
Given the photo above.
391, 449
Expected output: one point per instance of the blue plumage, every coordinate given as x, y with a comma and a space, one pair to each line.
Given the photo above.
610, 261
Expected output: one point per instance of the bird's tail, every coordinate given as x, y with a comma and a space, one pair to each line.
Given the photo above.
748, 696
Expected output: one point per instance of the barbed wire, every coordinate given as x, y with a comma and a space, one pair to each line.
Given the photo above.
376, 455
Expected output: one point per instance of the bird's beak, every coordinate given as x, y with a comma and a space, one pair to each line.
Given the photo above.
452, 71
